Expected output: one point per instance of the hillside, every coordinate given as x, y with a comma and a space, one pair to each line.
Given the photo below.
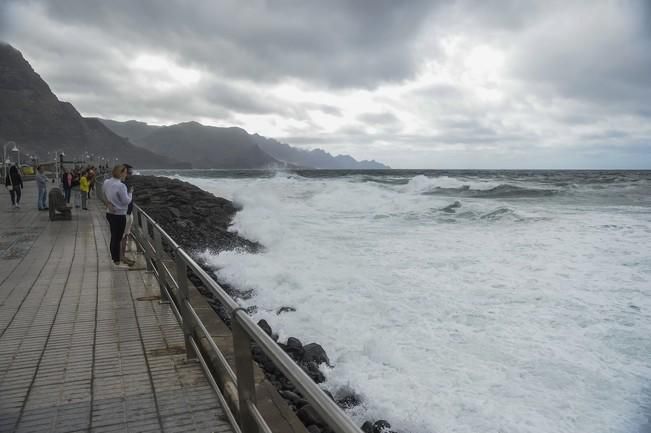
208, 147
33, 117
223, 146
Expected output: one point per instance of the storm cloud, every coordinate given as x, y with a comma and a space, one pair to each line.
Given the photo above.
502, 84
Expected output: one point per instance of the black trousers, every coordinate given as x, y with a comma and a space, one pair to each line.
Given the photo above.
16, 193
117, 224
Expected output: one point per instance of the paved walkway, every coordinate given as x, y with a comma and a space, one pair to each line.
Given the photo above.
82, 347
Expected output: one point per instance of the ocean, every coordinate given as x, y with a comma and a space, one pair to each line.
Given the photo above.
457, 301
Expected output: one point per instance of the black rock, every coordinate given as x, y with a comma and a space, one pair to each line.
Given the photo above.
307, 414
291, 396
282, 310
312, 370
313, 352
265, 327
451, 208
174, 211
367, 427
349, 400
295, 348
313, 429
381, 426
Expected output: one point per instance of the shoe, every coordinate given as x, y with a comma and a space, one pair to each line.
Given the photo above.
128, 262
120, 267
17, 206
84, 208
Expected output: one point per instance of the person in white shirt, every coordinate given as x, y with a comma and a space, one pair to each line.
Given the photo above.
117, 199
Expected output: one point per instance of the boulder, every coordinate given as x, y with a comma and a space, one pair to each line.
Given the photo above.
282, 310
265, 327
381, 426
308, 416
295, 348
313, 352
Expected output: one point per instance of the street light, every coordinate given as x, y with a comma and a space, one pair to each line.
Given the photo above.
15, 149
6, 161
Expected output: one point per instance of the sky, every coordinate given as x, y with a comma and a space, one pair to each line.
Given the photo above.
413, 84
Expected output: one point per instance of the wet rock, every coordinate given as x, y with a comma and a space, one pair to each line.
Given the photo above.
308, 416
295, 348
265, 327
312, 370
349, 400
381, 426
291, 396
451, 208
313, 352
282, 310
367, 427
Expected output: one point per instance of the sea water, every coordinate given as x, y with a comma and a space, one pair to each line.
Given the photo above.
458, 301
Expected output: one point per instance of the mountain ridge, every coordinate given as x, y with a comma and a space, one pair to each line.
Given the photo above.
33, 117
141, 133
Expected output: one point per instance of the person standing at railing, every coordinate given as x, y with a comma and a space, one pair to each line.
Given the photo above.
117, 199
41, 183
127, 229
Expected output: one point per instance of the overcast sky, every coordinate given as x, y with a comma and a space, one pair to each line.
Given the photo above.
465, 84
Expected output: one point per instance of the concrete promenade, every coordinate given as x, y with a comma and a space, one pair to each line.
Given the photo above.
84, 347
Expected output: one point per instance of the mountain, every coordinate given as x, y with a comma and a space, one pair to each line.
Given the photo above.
207, 146
204, 145
34, 118
315, 158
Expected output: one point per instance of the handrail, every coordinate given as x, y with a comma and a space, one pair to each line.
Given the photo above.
245, 331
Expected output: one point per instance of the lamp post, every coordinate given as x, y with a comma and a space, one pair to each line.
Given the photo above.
15, 149
58, 162
4, 156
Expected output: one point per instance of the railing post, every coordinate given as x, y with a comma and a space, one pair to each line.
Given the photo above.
245, 378
146, 243
162, 275
183, 298
137, 219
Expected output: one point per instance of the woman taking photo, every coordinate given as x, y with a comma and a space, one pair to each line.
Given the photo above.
117, 199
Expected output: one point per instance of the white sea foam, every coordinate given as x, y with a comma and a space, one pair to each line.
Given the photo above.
447, 322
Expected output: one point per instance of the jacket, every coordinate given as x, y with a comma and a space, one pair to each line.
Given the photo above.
13, 177
41, 181
115, 193
83, 184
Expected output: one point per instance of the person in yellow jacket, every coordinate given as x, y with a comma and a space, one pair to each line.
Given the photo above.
84, 186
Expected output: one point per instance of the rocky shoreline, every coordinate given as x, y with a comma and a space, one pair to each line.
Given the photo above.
198, 220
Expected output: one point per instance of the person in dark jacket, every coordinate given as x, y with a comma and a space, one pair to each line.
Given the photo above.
66, 183
14, 183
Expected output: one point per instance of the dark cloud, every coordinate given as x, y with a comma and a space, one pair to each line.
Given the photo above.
338, 43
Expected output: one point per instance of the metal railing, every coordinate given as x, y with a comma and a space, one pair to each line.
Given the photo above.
174, 287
